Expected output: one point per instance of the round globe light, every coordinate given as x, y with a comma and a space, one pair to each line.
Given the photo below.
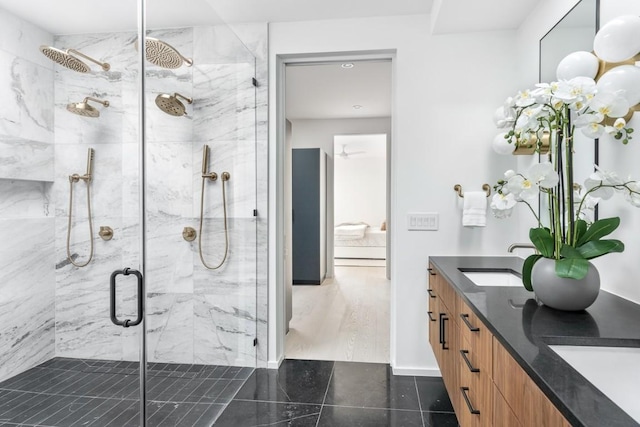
624, 78
501, 145
577, 64
619, 39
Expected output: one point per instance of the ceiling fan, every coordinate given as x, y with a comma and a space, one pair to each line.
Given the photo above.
345, 154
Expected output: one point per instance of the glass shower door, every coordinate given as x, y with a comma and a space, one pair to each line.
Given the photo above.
200, 202
69, 214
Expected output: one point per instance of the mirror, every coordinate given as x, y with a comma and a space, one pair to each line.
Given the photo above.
574, 32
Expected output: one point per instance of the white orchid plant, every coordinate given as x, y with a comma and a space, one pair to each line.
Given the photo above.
556, 110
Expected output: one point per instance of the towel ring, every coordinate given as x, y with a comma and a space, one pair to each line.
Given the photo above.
458, 189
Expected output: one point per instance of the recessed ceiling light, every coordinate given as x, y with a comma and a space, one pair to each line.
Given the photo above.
357, 107
347, 65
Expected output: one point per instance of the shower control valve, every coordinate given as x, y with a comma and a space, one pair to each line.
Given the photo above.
212, 176
75, 177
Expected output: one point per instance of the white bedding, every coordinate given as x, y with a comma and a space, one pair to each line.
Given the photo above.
371, 236
349, 232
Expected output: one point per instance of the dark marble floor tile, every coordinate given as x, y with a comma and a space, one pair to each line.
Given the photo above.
68, 414
302, 381
200, 415
130, 406
433, 395
250, 413
439, 419
100, 408
340, 416
371, 385
40, 414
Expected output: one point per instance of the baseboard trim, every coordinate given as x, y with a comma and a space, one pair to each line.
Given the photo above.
275, 364
417, 372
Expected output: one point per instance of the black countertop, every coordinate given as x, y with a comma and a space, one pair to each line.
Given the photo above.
526, 329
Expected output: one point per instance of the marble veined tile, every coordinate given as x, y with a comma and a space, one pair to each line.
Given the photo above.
23, 38
24, 159
237, 275
170, 327
170, 258
225, 327
84, 328
25, 199
105, 186
218, 44
27, 93
170, 187
237, 158
226, 107
27, 290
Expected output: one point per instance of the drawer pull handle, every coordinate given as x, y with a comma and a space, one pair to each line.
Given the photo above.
465, 319
464, 391
431, 293
464, 353
443, 332
430, 316
430, 270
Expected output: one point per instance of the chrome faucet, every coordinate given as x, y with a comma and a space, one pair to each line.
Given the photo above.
521, 246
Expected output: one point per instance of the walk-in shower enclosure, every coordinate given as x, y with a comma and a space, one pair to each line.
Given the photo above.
59, 348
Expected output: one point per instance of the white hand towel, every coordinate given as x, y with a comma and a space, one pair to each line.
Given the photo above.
474, 213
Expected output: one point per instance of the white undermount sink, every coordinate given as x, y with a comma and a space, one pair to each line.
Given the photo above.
493, 278
615, 371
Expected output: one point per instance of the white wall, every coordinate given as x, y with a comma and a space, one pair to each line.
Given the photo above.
619, 273
445, 91
319, 134
360, 192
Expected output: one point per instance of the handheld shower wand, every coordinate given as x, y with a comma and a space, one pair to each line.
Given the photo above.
212, 176
87, 177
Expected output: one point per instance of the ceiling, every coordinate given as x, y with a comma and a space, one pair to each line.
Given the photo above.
329, 91
78, 16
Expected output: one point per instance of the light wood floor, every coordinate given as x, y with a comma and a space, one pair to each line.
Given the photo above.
346, 318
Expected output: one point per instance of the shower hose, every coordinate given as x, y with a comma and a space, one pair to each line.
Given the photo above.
73, 179
226, 230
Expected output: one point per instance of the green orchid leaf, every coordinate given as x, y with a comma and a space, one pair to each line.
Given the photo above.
581, 229
543, 241
598, 248
599, 229
570, 252
574, 268
526, 271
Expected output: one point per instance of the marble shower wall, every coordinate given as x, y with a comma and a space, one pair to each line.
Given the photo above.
195, 315
27, 283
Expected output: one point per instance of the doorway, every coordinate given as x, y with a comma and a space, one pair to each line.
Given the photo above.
344, 314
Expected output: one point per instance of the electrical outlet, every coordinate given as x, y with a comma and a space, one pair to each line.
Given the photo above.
422, 221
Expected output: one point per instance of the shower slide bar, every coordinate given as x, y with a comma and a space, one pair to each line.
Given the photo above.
87, 178
213, 177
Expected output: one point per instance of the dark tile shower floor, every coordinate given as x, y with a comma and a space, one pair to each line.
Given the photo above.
74, 392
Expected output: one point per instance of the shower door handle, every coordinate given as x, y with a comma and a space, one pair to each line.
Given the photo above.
127, 322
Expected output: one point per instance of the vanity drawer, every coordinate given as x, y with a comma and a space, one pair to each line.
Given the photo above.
526, 400
477, 337
475, 406
503, 416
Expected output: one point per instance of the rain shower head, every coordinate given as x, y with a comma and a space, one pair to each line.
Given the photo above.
170, 104
164, 55
84, 109
67, 58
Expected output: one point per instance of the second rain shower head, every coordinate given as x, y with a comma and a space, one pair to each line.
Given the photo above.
170, 104
84, 109
164, 55
68, 58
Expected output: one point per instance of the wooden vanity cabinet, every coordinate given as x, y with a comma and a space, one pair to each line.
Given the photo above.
487, 387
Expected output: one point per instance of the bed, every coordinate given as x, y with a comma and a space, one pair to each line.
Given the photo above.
359, 240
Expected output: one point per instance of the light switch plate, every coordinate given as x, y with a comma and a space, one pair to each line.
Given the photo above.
422, 221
